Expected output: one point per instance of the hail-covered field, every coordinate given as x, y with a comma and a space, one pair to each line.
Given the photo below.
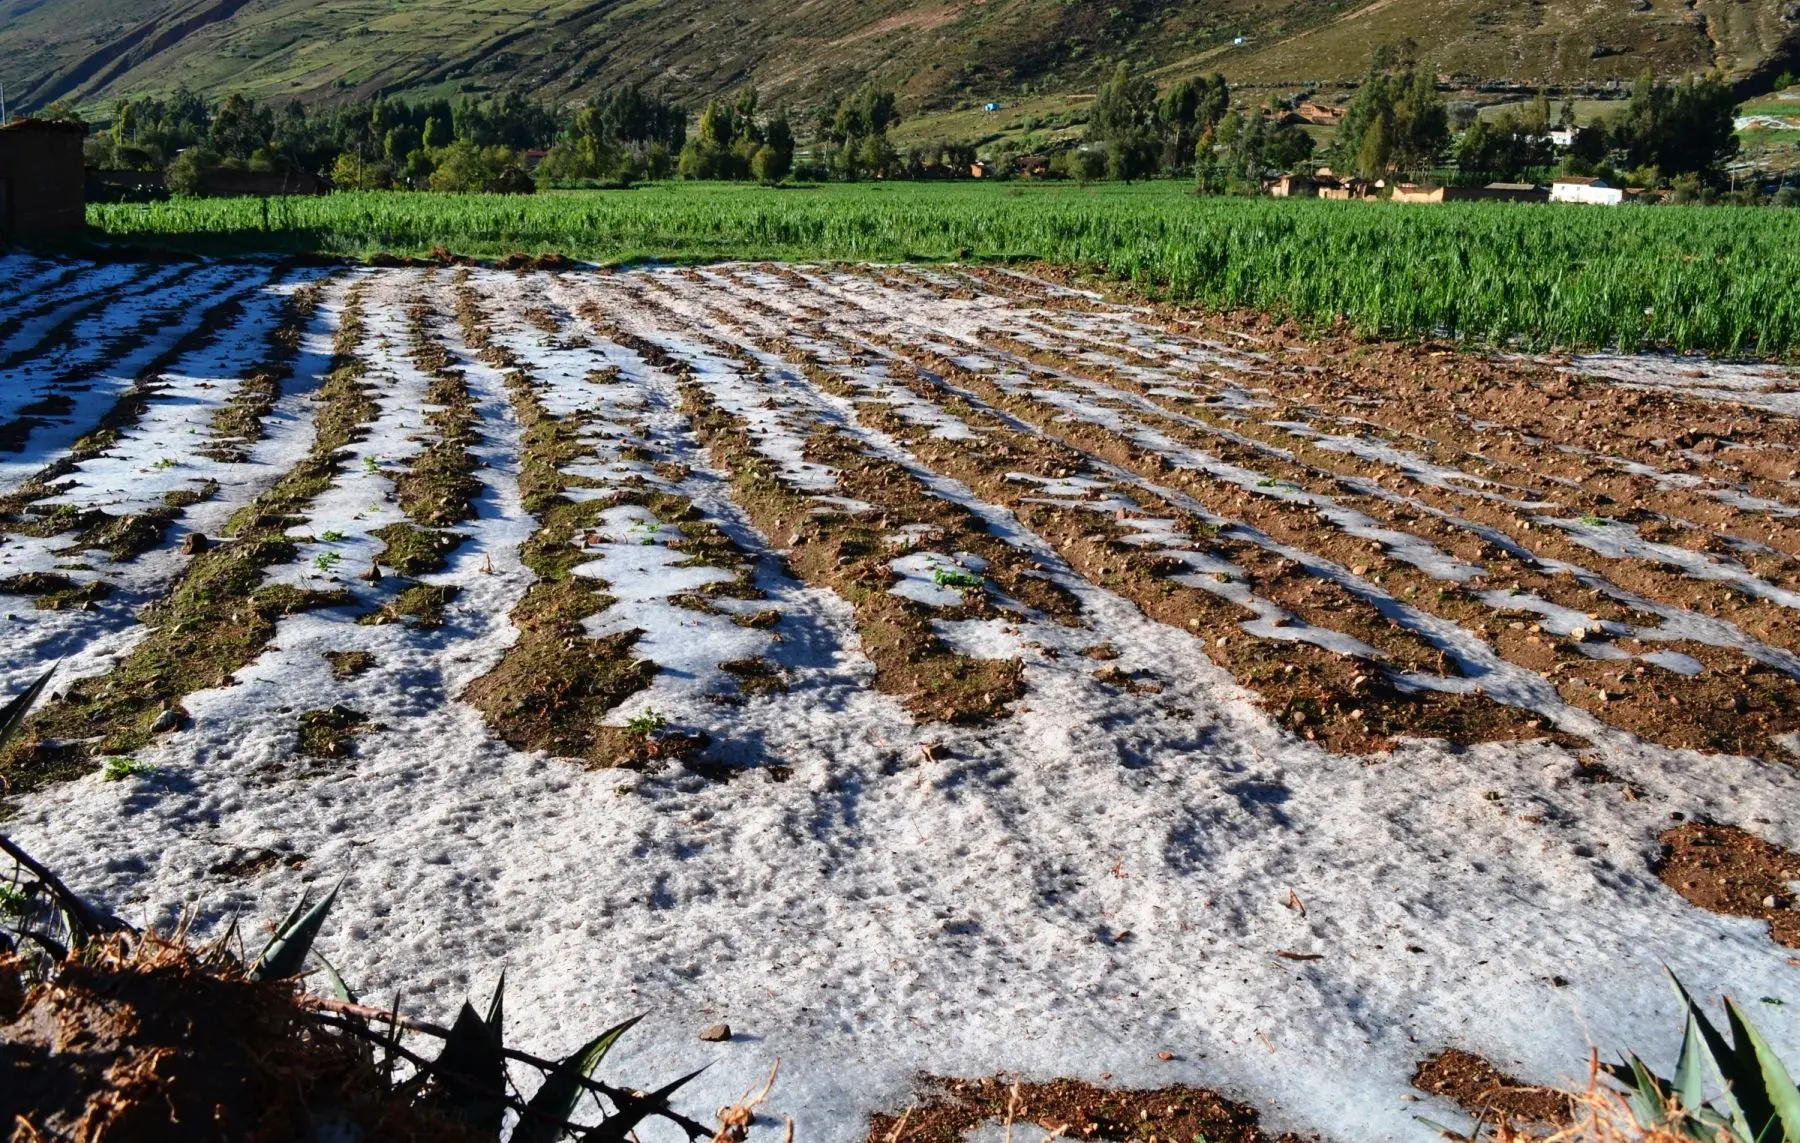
925, 671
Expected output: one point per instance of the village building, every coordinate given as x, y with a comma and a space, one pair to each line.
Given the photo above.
1595, 192
1492, 192
43, 180
1294, 186
1341, 189
1321, 114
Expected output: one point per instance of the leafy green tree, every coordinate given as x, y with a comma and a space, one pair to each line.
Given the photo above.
1679, 129
1288, 147
1124, 121
1506, 147
1396, 123
463, 167
239, 127
350, 171
773, 161
186, 173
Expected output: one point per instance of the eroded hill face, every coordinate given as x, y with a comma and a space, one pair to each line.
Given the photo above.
935, 51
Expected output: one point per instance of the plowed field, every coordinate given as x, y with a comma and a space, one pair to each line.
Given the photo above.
927, 671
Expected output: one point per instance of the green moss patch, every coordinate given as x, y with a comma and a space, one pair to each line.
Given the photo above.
414, 551
328, 733
419, 605
349, 664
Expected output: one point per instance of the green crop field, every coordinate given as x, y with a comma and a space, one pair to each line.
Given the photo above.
1714, 279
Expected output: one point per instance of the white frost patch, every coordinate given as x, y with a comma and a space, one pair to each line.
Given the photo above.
936, 580
1772, 387
866, 910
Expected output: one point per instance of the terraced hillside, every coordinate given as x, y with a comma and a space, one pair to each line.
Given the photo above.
929, 672
937, 53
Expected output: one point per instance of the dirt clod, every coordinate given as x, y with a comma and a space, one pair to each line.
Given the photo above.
1725, 869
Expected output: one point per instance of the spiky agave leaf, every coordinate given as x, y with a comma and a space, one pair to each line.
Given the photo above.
12, 716
338, 988
1690, 1082
555, 1102
634, 1110
1649, 1096
469, 1075
1708, 1043
1767, 1095
285, 954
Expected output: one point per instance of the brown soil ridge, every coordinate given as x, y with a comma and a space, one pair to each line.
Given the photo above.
850, 554
948, 1109
1345, 703
217, 617
127, 537
1728, 870
555, 684
1717, 711
1489, 1094
1314, 466
438, 488
240, 423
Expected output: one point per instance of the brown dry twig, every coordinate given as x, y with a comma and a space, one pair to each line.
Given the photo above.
735, 1121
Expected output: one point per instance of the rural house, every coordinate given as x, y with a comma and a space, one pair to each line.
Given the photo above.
43, 181
1342, 189
1294, 186
1593, 191
1493, 192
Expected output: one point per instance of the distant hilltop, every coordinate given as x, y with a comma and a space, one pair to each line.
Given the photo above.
937, 55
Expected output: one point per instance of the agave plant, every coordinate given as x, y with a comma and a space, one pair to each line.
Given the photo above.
1758, 1104
39, 918
468, 1078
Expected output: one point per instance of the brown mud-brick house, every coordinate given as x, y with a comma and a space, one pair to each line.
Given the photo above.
43, 183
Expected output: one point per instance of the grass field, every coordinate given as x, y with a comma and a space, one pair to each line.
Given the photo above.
1693, 279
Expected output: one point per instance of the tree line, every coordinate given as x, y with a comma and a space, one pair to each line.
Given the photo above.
469, 145
507, 143
1397, 125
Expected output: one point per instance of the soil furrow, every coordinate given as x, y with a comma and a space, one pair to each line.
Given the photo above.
554, 686
1706, 700
219, 614
846, 516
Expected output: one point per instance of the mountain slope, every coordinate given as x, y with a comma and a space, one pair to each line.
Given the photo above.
936, 52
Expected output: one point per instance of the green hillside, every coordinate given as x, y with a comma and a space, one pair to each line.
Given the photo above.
941, 55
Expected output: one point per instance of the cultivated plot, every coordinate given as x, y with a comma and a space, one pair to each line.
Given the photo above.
931, 672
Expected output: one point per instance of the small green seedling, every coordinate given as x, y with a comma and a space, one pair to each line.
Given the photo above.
333, 536
954, 577
166, 462
325, 561
119, 767
645, 724
13, 901
369, 464
1594, 521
